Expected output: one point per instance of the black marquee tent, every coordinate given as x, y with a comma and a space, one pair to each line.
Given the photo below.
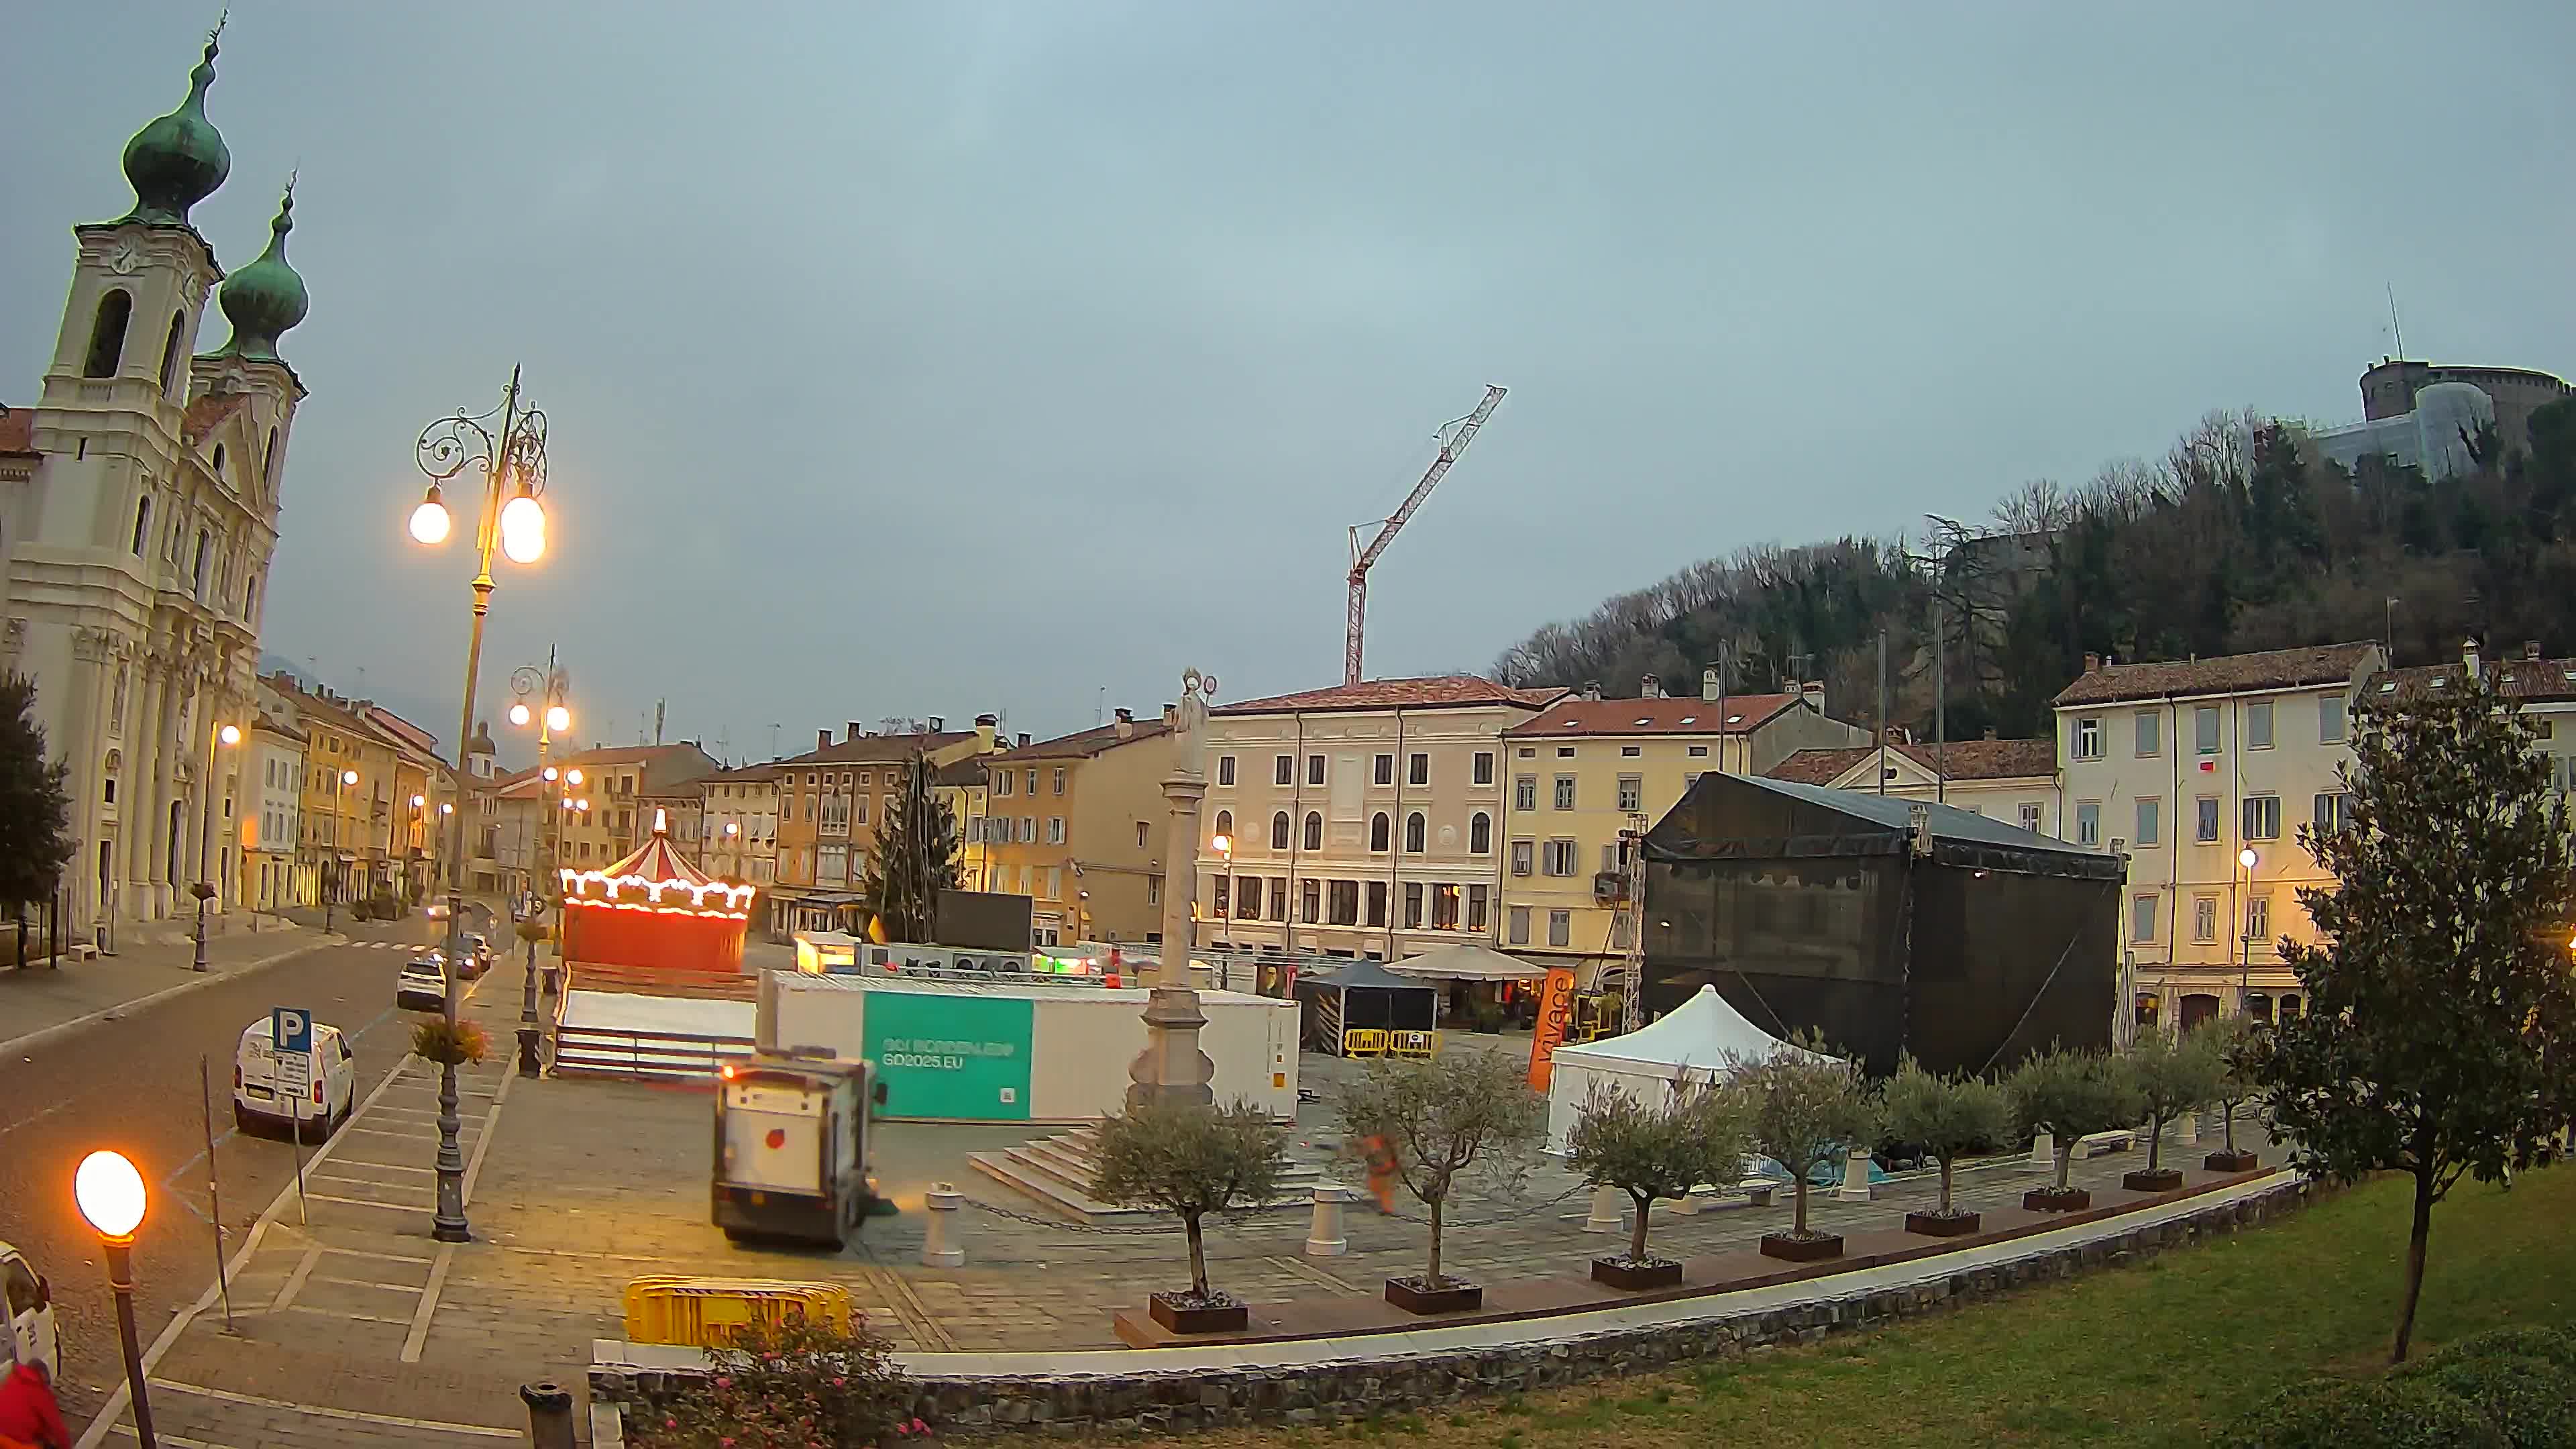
1888, 925
1360, 995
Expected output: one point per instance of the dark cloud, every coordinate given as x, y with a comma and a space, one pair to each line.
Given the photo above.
916, 359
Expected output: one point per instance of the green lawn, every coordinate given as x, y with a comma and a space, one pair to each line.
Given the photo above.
2163, 1353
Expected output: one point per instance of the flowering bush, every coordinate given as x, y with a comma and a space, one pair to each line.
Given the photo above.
798, 1385
434, 1041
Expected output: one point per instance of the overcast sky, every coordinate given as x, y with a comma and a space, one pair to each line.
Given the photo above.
933, 358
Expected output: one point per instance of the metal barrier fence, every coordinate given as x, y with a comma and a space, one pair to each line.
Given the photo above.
664, 1056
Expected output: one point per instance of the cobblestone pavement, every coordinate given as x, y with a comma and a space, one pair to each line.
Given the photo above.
357, 1328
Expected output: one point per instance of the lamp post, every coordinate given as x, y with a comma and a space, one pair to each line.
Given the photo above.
1225, 911
332, 892
549, 714
225, 738
2245, 970
513, 461
109, 1193
733, 838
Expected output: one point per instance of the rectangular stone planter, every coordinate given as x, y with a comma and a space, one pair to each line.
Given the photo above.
2051, 1200
2162, 1179
1658, 1273
1451, 1297
1802, 1250
1937, 1225
1198, 1318
2231, 1162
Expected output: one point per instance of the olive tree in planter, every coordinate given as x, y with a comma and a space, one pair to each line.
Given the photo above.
1805, 1107
2238, 1048
2172, 1077
1948, 1117
1439, 1119
1191, 1159
2070, 1095
1654, 1149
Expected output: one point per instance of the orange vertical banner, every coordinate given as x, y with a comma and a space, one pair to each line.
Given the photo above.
1555, 1015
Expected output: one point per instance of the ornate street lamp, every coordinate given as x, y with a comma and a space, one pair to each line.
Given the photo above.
513, 460
546, 686
225, 738
109, 1193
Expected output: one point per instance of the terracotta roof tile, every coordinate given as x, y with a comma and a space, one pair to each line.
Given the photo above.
1438, 691
2519, 678
1967, 760
207, 413
1081, 744
877, 749
2227, 674
17, 430
1693, 716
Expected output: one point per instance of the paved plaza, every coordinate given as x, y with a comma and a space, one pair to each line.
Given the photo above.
352, 1316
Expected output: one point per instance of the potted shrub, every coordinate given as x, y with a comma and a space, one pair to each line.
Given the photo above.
436, 1042
2172, 1077
1948, 1118
2239, 1050
1652, 1150
1191, 1159
2070, 1094
794, 1382
1804, 1108
1437, 1119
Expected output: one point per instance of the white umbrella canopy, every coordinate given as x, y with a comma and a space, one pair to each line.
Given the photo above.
1468, 962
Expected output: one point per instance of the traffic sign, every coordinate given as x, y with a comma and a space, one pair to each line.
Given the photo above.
290, 1034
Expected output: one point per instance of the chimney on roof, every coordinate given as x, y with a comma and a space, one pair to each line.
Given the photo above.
1171, 716
1813, 692
2092, 662
1650, 687
822, 739
939, 724
1024, 739
986, 727
1592, 689
2469, 655
855, 731
1990, 732
1126, 724
2531, 649
1709, 688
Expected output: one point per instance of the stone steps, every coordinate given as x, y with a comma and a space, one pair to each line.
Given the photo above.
1057, 1173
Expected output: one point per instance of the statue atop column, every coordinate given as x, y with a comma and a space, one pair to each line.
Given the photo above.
1172, 1068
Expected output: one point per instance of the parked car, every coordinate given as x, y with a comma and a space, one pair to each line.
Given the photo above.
262, 1098
478, 955
29, 1299
423, 983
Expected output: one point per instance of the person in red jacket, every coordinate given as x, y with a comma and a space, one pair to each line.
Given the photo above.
28, 1412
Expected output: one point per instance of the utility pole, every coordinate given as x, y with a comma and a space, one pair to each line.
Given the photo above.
1940, 705
1882, 711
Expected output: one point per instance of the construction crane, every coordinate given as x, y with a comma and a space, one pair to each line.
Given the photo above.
1454, 438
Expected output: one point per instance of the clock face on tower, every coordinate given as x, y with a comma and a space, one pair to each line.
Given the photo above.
127, 256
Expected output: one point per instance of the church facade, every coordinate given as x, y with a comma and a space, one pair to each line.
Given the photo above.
138, 513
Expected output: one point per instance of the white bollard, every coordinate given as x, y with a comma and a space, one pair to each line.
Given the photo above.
941, 1247
1324, 1237
1855, 1186
2043, 1152
1609, 1211
2187, 1127
1687, 1205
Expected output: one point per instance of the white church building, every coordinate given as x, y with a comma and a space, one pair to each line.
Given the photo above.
138, 516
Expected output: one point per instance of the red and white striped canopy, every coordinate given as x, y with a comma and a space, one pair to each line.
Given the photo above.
655, 876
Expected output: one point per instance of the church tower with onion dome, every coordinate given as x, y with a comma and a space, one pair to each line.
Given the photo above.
138, 518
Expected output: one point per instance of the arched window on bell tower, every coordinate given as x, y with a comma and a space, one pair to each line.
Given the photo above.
142, 523
170, 354
107, 334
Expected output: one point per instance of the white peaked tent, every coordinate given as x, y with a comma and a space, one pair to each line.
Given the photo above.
1695, 1042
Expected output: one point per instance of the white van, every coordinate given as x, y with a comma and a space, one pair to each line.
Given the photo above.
257, 1099
30, 1301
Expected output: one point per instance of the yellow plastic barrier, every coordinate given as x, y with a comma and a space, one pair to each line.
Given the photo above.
699, 1312
1413, 1043
1364, 1041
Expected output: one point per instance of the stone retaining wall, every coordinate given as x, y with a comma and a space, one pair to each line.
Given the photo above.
1306, 1393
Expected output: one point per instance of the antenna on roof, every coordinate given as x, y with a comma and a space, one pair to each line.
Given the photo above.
2396, 328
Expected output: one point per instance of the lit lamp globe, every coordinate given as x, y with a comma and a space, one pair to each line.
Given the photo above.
1224, 844
549, 772
558, 718
523, 529
429, 522
229, 734
417, 802
348, 777
110, 1194
573, 775
518, 714
2246, 857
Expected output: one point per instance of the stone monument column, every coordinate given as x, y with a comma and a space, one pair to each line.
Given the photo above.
1171, 1068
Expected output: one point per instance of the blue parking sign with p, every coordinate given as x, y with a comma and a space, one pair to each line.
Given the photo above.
290, 1028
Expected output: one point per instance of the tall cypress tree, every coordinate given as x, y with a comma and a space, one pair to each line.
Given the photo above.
35, 812
914, 860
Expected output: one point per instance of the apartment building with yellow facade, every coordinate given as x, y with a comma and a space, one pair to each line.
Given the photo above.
831, 800
1079, 824
616, 780
1584, 771
1366, 820
739, 810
